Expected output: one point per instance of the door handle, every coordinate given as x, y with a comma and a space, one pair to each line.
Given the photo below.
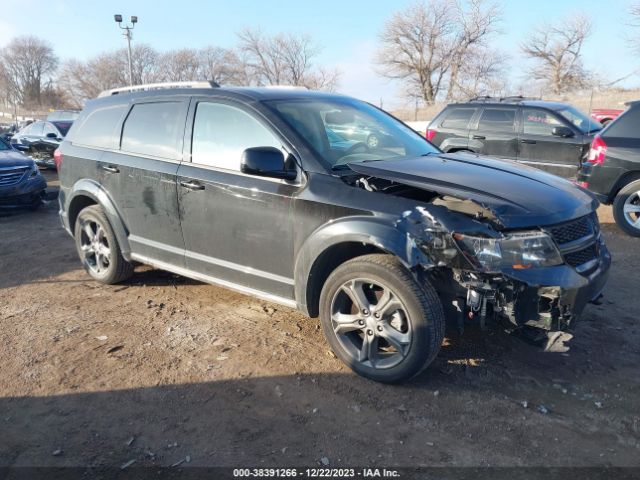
110, 168
479, 137
529, 142
192, 185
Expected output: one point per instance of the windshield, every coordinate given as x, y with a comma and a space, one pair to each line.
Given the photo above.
583, 122
3, 146
342, 131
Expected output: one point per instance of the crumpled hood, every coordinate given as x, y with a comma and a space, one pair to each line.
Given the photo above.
13, 158
518, 196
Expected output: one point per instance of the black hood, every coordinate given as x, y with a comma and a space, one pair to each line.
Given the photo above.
517, 195
13, 158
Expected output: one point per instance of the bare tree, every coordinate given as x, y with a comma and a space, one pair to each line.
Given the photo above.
180, 65
223, 66
283, 59
28, 65
427, 44
470, 54
84, 80
556, 50
482, 73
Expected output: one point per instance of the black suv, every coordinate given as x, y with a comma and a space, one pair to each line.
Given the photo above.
242, 187
550, 136
612, 169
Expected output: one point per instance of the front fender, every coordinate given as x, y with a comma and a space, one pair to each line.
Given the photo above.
92, 189
373, 231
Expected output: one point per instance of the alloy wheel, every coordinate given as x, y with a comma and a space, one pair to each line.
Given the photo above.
371, 323
631, 210
95, 247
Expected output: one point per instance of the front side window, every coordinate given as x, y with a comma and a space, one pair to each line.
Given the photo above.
48, 128
36, 129
539, 122
222, 132
341, 131
583, 122
501, 119
154, 129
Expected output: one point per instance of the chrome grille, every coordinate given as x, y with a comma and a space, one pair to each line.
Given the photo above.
11, 176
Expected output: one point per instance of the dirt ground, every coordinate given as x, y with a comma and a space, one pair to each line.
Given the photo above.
164, 369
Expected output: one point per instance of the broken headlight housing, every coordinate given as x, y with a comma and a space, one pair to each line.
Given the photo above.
520, 251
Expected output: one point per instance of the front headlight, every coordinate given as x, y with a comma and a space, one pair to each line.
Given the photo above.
517, 250
34, 170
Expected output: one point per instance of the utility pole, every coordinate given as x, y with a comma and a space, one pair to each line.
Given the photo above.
128, 35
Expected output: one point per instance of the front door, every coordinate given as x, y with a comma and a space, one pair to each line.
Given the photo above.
541, 149
237, 228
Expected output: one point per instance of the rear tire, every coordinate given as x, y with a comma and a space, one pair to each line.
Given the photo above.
98, 248
379, 320
626, 209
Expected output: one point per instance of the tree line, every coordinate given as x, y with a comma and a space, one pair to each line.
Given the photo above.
436, 49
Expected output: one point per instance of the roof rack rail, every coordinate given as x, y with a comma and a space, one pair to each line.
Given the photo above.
158, 86
287, 87
507, 99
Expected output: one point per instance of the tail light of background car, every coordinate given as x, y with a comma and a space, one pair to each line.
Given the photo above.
430, 134
57, 158
598, 151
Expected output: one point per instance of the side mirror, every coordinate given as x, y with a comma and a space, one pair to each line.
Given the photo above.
265, 162
52, 135
564, 132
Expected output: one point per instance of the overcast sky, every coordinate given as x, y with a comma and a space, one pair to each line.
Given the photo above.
346, 29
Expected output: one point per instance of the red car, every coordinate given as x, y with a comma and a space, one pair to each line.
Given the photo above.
605, 115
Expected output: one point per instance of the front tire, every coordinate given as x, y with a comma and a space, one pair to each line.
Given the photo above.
379, 320
98, 248
626, 209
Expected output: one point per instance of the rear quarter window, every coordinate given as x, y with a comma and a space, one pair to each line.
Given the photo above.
99, 127
458, 118
626, 125
154, 129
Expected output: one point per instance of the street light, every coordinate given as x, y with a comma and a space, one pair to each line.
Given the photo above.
128, 35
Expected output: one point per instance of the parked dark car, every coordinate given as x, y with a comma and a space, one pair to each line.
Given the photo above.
40, 139
612, 169
21, 184
551, 136
241, 187
355, 127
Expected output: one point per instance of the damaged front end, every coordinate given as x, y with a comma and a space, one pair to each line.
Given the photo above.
535, 279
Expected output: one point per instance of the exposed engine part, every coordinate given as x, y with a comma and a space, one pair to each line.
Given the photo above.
363, 183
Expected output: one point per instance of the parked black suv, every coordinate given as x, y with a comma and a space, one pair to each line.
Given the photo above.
551, 136
612, 169
241, 187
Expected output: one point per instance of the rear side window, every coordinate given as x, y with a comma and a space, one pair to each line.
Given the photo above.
625, 126
154, 129
458, 118
539, 122
98, 128
222, 132
497, 119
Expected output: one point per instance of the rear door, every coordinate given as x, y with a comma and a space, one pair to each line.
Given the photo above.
140, 176
495, 133
541, 149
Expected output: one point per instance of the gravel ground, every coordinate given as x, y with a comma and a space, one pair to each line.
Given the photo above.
163, 369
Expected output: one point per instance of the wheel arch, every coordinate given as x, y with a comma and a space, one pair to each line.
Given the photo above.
88, 192
333, 244
624, 180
